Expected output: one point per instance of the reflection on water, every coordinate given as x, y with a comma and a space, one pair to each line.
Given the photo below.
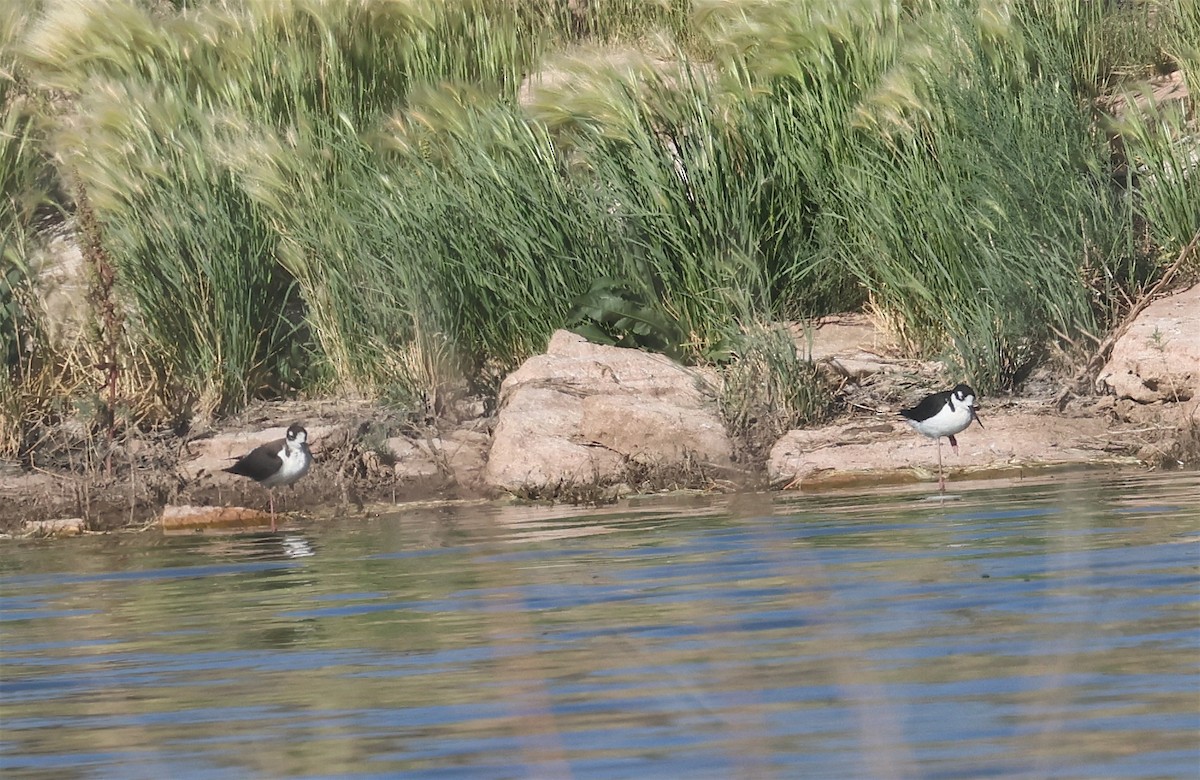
1042, 630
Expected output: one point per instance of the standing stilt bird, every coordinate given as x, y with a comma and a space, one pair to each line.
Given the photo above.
944, 414
280, 462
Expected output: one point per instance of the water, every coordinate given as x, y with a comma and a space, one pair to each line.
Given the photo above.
1037, 630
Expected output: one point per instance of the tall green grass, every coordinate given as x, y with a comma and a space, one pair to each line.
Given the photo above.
970, 227
21, 194
211, 307
1163, 141
1164, 151
1181, 22
158, 146
27, 191
440, 246
604, 21
959, 181
367, 195
665, 163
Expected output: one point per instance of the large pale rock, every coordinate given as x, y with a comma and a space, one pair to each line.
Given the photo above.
1158, 357
578, 413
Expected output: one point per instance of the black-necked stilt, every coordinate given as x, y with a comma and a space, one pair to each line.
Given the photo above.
944, 414
276, 463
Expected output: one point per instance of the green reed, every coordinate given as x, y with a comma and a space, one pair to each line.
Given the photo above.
365, 195
27, 194
958, 180
431, 251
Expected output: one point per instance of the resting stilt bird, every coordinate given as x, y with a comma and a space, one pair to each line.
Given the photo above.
944, 414
276, 463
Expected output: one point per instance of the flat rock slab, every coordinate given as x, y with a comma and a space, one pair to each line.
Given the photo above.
884, 451
54, 529
186, 517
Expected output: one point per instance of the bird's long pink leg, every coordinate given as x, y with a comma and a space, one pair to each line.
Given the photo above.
271, 493
941, 474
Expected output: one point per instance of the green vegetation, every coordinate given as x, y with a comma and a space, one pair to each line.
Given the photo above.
769, 390
26, 192
402, 199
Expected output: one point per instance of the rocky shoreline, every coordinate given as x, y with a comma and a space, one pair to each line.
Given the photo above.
591, 423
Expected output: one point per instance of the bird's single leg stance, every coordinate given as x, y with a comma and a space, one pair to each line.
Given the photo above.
941, 473
944, 414
280, 462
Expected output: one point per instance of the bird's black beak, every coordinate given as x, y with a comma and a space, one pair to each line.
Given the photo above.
975, 417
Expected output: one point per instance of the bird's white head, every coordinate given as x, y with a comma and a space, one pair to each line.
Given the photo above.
296, 434
964, 395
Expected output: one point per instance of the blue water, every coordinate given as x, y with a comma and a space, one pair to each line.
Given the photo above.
1040, 630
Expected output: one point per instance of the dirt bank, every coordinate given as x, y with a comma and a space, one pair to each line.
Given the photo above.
1143, 413
354, 473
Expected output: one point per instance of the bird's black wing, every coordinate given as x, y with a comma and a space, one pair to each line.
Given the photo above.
261, 463
929, 406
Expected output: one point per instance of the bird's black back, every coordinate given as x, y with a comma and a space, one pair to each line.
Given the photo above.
929, 406
261, 463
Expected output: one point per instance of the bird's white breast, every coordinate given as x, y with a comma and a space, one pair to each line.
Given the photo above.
295, 464
951, 419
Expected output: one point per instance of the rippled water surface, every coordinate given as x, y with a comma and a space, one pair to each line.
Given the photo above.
1029, 630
